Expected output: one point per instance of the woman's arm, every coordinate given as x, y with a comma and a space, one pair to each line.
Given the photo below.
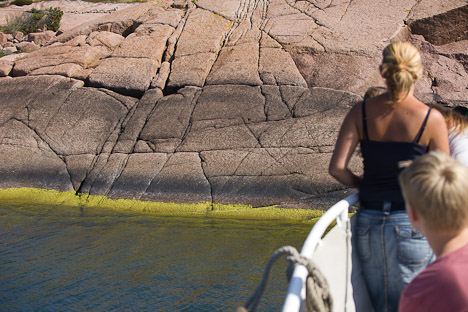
346, 143
439, 133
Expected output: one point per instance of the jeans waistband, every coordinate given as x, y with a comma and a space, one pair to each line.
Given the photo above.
383, 206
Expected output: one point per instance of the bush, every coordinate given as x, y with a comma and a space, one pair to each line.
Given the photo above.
35, 20
55, 16
22, 2
37, 15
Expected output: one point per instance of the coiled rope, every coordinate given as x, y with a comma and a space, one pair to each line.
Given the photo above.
318, 297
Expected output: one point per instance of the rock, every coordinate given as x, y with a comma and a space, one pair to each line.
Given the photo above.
5, 67
128, 137
227, 137
131, 76
141, 45
27, 47
161, 79
287, 74
197, 48
18, 35
323, 101
181, 180
78, 166
222, 101
102, 184
333, 70
98, 38
169, 120
204, 32
13, 57
67, 70
275, 108
26, 160
190, 70
446, 72
443, 28
456, 50
69, 129
3, 39
240, 103
10, 50
41, 38
138, 173
236, 65
84, 56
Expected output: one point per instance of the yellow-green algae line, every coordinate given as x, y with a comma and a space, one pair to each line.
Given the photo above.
71, 199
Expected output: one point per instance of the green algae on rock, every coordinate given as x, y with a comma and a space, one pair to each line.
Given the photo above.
54, 198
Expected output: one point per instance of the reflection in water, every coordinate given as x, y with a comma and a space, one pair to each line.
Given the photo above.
67, 259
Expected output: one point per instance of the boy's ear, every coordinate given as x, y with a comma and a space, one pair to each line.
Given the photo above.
412, 214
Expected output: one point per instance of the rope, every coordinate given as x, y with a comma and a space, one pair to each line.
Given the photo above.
318, 297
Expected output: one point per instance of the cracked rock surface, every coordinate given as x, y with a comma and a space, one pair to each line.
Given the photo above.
236, 101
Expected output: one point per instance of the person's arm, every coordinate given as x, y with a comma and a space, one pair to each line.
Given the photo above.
439, 133
346, 143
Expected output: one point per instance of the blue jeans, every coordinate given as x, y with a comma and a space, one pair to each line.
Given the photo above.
391, 253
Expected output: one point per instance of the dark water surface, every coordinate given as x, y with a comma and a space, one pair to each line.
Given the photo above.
67, 259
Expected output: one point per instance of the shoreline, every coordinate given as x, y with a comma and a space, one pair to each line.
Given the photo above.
36, 196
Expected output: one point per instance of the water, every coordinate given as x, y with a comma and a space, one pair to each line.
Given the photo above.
67, 259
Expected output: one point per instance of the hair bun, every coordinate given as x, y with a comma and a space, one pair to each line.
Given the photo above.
401, 67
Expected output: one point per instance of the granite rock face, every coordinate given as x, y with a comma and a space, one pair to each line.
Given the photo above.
221, 101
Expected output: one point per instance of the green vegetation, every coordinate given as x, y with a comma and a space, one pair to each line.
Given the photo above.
35, 20
60, 199
21, 2
4, 4
2, 54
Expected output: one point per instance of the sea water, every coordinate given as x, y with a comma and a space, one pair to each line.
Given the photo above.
68, 259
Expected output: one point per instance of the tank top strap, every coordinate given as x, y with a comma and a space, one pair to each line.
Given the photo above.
364, 121
423, 126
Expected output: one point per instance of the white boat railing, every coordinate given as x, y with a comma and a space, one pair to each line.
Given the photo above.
296, 291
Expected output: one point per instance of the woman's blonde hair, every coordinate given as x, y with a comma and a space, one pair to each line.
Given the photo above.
436, 186
401, 67
456, 122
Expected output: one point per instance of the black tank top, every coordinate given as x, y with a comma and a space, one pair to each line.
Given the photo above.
381, 159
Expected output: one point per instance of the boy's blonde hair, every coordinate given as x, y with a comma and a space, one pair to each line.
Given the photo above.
401, 67
436, 186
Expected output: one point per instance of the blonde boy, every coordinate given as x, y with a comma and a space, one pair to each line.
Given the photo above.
435, 188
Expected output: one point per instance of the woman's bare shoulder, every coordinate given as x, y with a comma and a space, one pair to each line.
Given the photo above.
436, 117
356, 110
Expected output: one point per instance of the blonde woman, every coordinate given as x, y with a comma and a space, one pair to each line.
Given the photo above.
457, 123
390, 128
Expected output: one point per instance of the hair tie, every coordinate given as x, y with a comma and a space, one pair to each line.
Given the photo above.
401, 67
